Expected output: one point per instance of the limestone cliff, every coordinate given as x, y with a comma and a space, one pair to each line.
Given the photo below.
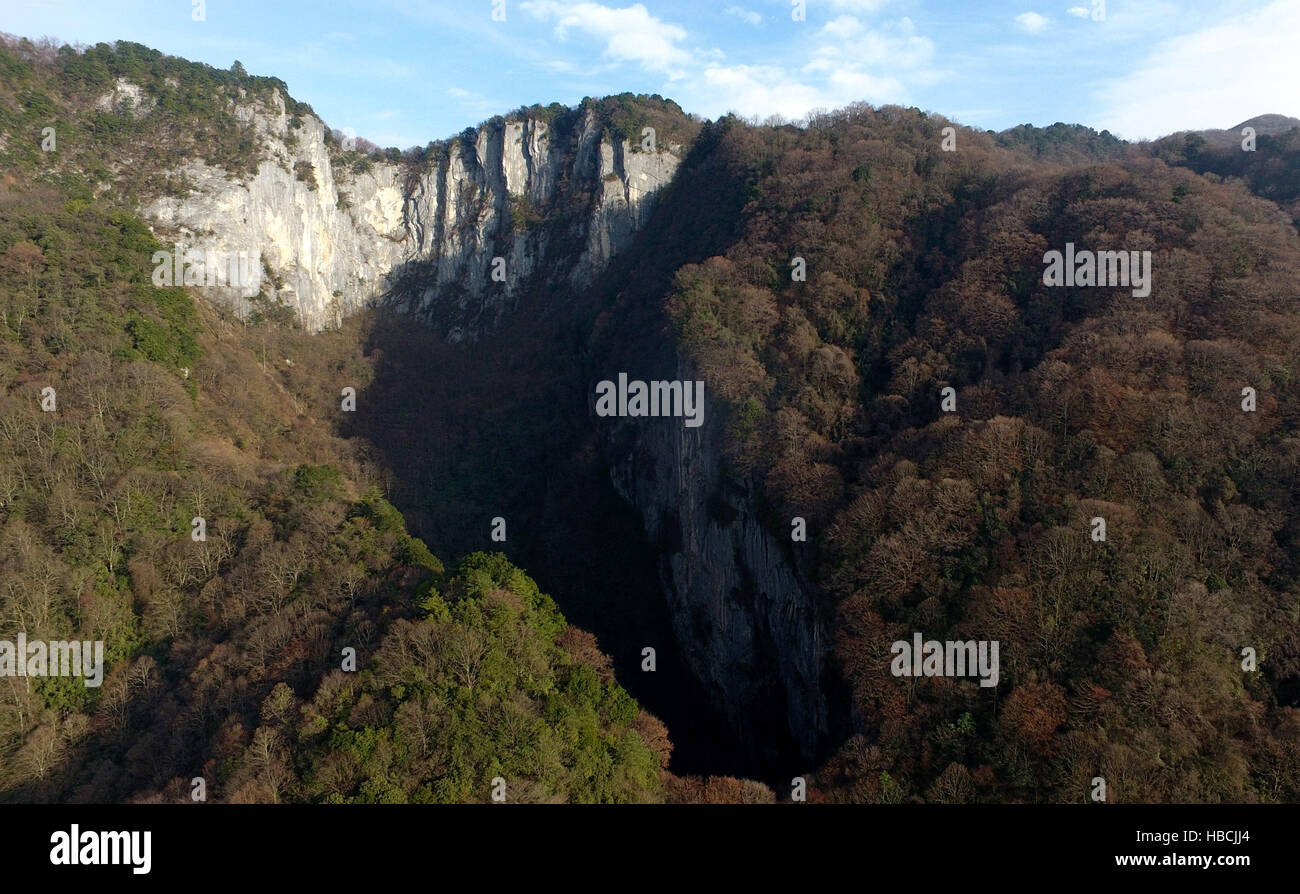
553, 198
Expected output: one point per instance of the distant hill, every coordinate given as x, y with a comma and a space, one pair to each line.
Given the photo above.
1068, 143
1271, 171
1269, 124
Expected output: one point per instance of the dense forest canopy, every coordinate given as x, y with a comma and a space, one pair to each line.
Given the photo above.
1121, 657
225, 655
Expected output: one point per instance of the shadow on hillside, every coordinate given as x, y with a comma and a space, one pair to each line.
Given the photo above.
501, 428
469, 433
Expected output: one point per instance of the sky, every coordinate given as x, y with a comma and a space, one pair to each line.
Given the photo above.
404, 72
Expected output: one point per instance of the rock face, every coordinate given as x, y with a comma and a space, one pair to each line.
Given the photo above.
528, 192
125, 98
551, 202
544, 204
744, 619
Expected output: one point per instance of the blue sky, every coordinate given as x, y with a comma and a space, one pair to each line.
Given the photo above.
402, 72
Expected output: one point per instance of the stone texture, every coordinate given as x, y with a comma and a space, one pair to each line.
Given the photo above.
436, 236
743, 617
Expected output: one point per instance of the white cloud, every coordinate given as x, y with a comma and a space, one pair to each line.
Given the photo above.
842, 28
1211, 78
856, 62
895, 47
1032, 22
845, 60
1080, 11
630, 34
755, 90
745, 15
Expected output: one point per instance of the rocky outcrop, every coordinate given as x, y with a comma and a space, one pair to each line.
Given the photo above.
532, 206
743, 617
524, 201
327, 240
126, 98
526, 192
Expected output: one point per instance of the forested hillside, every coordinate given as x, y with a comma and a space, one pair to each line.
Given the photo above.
225, 656
100, 105
1163, 657
1270, 170
1120, 658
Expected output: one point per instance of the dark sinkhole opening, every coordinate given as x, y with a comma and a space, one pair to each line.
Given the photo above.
469, 433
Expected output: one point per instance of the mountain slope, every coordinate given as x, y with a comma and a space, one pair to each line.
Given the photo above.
1163, 656
925, 271
223, 163
227, 654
